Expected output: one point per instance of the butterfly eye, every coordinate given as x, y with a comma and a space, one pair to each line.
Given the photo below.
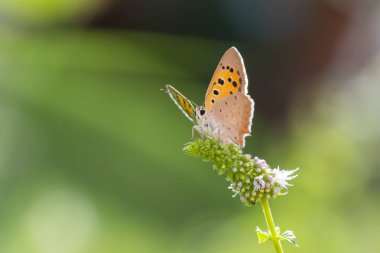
202, 112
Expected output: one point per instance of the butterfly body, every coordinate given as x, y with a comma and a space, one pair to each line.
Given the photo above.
228, 109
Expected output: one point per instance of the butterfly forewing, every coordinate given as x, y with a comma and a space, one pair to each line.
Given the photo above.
182, 102
229, 78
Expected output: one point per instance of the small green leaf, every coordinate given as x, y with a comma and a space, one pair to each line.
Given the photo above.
261, 235
290, 237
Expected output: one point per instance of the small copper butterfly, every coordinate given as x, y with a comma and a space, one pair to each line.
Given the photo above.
228, 109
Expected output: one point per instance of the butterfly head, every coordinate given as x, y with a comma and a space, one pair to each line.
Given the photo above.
200, 112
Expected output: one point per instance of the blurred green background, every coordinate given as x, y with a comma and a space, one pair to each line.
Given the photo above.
91, 151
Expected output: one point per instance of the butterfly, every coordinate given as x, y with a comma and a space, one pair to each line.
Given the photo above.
228, 109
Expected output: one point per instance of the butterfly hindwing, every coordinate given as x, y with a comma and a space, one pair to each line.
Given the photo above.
233, 116
182, 102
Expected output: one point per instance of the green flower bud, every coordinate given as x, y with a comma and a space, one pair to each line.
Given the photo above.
250, 178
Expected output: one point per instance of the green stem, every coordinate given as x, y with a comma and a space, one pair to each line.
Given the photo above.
270, 223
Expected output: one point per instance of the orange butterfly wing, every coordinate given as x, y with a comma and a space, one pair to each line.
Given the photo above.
229, 78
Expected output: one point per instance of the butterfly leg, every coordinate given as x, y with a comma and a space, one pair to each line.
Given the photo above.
197, 129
